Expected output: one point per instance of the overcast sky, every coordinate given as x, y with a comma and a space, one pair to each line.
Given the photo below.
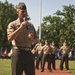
48, 8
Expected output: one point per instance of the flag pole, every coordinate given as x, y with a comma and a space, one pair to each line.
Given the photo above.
40, 19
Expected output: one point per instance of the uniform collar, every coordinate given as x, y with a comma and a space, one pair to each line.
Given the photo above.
18, 21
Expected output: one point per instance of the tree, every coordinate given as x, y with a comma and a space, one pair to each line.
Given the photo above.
68, 26
7, 14
60, 26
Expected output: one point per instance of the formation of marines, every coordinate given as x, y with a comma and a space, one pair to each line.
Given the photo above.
45, 53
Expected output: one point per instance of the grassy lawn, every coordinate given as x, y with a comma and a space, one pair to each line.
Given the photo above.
5, 66
71, 66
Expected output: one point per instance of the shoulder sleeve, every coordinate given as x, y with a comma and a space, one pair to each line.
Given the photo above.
10, 28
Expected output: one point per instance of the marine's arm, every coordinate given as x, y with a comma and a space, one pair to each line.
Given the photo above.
15, 33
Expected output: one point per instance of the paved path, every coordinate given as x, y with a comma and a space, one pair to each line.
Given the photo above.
54, 72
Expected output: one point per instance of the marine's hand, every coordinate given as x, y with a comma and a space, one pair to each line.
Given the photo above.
31, 36
23, 24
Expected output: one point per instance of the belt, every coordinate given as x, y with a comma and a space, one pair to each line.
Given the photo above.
22, 48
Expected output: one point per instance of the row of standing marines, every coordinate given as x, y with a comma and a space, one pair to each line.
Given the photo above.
46, 53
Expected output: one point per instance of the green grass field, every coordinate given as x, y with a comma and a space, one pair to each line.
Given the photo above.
5, 66
71, 66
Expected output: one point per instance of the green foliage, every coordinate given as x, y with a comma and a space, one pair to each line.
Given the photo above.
60, 26
7, 14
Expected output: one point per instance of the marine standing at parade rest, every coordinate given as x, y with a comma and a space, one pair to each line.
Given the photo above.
39, 57
46, 48
64, 56
54, 51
